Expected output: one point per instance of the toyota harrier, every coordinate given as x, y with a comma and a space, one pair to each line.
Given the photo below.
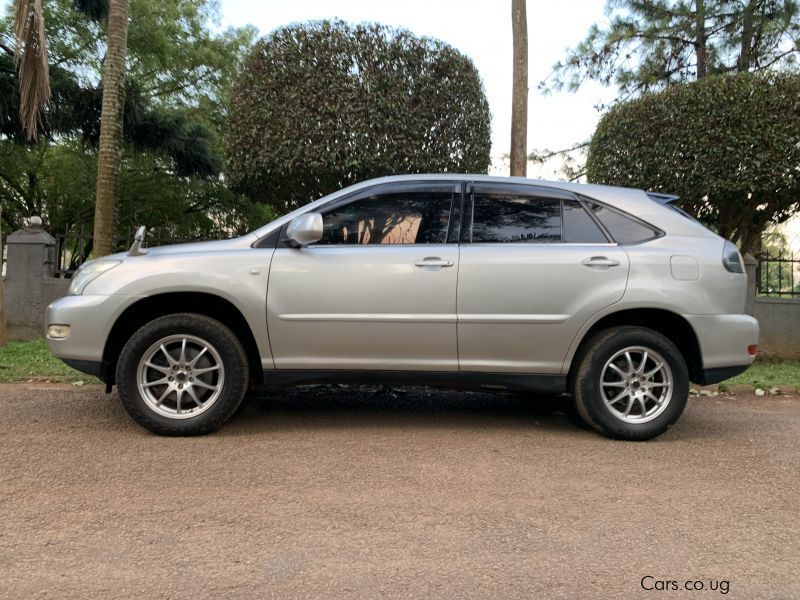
612, 295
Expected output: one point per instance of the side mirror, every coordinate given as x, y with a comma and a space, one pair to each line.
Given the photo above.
305, 229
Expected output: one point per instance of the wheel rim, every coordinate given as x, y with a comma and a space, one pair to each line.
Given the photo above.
180, 376
636, 384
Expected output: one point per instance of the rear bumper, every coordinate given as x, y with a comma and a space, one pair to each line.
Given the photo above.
711, 376
724, 342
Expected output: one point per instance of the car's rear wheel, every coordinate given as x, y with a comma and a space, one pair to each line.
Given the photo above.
182, 374
631, 383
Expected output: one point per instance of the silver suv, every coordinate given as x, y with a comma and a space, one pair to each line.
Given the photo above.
610, 294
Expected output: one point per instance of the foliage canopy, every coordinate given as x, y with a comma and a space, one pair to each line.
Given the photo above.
322, 105
729, 145
650, 44
180, 70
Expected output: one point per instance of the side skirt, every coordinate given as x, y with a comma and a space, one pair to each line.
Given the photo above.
543, 384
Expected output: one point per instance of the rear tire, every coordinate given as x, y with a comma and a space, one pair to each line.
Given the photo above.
630, 383
182, 374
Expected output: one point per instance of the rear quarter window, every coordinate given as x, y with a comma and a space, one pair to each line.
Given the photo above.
623, 228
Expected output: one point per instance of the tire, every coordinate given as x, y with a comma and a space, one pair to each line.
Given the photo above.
172, 386
621, 398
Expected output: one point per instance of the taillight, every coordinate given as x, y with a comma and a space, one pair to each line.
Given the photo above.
752, 349
731, 259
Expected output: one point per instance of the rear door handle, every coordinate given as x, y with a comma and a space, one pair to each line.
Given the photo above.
432, 261
601, 263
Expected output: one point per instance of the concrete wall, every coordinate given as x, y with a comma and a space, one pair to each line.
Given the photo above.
778, 319
30, 287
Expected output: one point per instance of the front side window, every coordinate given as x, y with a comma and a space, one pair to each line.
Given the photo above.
514, 218
411, 217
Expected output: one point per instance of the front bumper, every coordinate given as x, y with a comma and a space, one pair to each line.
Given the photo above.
90, 319
724, 342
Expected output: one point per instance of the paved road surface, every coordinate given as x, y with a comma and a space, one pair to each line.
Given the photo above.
353, 493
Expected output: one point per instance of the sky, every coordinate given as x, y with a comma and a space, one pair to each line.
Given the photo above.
481, 29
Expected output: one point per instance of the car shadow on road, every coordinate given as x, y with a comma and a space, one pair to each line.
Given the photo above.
333, 406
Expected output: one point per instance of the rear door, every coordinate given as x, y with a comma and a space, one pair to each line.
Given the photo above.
534, 267
378, 291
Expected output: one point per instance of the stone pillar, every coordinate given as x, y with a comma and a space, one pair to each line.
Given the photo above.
31, 252
29, 284
750, 264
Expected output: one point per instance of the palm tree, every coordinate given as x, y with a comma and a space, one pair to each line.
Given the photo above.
34, 77
30, 54
3, 333
108, 156
519, 101
34, 91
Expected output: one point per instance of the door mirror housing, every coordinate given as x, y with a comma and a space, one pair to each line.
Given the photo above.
305, 229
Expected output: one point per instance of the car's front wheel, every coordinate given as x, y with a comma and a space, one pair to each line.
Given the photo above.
182, 374
631, 383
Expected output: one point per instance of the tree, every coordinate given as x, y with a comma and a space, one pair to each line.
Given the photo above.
176, 91
30, 56
519, 104
729, 145
3, 332
325, 104
108, 156
650, 44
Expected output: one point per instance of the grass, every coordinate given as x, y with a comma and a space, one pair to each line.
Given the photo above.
24, 361
766, 373
32, 360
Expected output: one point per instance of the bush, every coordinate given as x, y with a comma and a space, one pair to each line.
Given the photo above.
728, 145
323, 105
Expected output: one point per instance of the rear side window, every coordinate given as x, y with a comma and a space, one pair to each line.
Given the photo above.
579, 227
624, 229
512, 218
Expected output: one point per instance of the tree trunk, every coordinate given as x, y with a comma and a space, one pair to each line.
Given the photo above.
519, 102
3, 332
701, 49
108, 156
746, 50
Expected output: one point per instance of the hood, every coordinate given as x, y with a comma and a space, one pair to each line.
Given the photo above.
190, 248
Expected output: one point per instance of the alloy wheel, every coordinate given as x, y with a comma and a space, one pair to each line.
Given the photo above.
180, 376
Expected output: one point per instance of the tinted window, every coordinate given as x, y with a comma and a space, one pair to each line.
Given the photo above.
579, 227
393, 218
513, 218
624, 229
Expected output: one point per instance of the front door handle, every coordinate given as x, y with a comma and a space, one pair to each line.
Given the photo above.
601, 263
432, 261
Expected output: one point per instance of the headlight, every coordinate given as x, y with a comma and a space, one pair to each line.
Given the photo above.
88, 273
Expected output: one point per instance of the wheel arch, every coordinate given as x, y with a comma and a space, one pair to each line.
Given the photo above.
669, 324
159, 305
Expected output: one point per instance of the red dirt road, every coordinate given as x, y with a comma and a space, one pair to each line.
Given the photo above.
354, 493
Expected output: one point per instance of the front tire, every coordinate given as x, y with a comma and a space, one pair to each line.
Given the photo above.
631, 383
182, 374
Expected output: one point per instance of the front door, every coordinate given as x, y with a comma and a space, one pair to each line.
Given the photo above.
378, 291
534, 268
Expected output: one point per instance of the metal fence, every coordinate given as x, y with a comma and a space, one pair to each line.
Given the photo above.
778, 277
74, 246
